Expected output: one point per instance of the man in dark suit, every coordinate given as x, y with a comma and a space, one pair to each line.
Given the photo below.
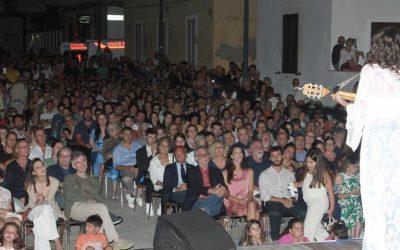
174, 182
146, 153
143, 158
206, 187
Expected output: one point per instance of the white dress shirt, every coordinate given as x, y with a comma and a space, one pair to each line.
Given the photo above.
272, 183
156, 170
36, 152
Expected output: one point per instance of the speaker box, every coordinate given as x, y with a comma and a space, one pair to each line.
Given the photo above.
191, 230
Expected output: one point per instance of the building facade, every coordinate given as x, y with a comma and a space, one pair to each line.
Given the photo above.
36, 24
202, 32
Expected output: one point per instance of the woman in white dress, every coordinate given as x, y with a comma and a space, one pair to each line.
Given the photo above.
43, 209
156, 171
375, 117
317, 193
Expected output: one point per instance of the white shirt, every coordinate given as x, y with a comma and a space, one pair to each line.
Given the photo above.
36, 152
148, 151
156, 170
190, 159
178, 168
272, 183
47, 116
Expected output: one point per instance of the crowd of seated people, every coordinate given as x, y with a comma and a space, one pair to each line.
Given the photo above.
199, 137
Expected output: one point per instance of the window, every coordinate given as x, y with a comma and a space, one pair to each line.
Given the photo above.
138, 41
191, 34
376, 26
290, 43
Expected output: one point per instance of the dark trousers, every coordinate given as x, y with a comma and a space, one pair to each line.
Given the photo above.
277, 210
150, 190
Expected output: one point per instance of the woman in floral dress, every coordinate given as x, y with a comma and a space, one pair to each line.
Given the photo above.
347, 186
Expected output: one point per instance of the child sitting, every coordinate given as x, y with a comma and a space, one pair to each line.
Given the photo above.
92, 239
253, 234
9, 237
293, 233
339, 231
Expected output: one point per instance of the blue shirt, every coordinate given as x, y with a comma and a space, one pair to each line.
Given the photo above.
123, 156
258, 167
59, 172
84, 131
300, 157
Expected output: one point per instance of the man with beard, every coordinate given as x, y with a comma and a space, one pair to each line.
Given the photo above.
273, 183
257, 160
19, 127
82, 130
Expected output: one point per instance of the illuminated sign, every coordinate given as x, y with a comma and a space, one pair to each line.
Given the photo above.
112, 45
115, 17
77, 46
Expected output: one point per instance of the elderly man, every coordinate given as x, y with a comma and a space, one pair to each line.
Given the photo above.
257, 160
124, 157
60, 170
206, 187
175, 179
63, 166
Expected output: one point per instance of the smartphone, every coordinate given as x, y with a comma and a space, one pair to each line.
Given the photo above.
4, 71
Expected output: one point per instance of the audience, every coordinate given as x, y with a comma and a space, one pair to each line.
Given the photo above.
162, 108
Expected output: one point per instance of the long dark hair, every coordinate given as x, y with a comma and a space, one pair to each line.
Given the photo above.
181, 135
246, 238
385, 49
18, 244
97, 131
321, 168
230, 167
31, 178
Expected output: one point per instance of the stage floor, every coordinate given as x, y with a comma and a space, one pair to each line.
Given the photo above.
328, 245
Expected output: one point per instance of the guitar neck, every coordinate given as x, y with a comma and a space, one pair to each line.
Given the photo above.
349, 96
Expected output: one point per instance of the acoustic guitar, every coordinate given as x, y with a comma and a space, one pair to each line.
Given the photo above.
314, 91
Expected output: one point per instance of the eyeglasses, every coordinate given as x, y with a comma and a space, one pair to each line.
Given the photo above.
202, 155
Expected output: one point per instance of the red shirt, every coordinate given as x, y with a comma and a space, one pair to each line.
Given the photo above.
205, 176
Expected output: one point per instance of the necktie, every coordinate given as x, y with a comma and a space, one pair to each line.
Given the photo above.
183, 173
